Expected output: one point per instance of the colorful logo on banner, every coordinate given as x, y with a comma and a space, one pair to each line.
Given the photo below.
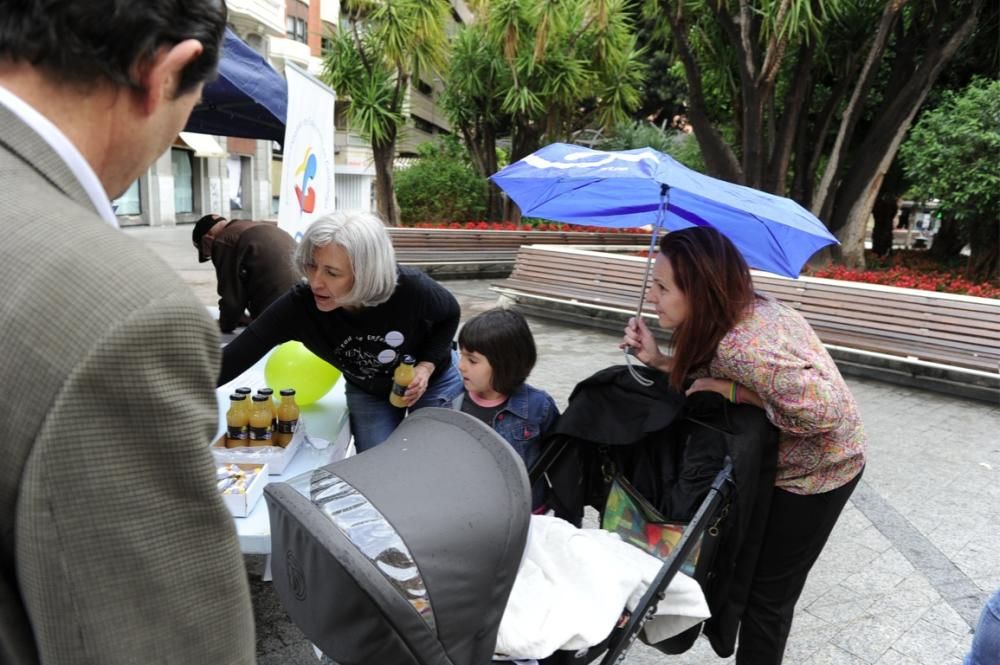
306, 193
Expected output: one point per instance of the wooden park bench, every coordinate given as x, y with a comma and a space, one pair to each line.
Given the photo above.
933, 340
471, 252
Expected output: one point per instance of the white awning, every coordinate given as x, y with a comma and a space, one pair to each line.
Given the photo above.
202, 144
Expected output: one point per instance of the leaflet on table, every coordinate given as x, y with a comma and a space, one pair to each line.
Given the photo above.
241, 486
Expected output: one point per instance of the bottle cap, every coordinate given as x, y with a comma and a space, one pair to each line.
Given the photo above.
286, 392
265, 391
239, 397
244, 391
260, 398
408, 360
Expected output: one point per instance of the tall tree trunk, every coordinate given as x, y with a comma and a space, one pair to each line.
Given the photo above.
984, 243
856, 195
720, 160
785, 135
385, 191
855, 107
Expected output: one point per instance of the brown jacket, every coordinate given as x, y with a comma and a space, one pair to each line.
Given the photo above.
115, 547
253, 265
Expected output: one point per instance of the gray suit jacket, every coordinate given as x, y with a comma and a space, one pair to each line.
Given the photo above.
114, 544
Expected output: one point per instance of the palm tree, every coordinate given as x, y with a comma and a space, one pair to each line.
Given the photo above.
371, 63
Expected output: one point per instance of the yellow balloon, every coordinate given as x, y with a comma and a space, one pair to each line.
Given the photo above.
292, 365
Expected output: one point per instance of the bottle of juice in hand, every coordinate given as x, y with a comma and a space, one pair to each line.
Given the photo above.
401, 379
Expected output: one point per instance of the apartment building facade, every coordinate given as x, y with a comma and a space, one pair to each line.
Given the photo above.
240, 178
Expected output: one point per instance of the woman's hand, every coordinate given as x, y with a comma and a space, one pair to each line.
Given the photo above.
418, 386
640, 339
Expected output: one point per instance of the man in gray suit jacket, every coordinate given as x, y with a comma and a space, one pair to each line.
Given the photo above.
114, 544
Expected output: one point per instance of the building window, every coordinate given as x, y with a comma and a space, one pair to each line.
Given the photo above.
183, 181
129, 203
423, 86
234, 184
297, 21
423, 125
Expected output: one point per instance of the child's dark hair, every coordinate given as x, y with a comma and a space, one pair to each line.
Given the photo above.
504, 338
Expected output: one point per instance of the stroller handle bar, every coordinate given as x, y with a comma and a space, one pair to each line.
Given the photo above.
646, 608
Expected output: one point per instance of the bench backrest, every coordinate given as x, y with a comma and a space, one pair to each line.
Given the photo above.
955, 330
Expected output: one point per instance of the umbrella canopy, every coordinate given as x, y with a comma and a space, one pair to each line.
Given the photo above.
249, 98
622, 189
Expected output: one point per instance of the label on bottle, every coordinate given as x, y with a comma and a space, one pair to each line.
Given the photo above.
236, 432
398, 389
287, 426
260, 433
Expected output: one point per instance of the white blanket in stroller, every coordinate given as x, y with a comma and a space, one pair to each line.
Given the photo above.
571, 588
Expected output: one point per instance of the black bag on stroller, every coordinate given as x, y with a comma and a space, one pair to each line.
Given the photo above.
671, 449
404, 555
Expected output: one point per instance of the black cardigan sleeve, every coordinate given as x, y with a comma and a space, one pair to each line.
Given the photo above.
263, 334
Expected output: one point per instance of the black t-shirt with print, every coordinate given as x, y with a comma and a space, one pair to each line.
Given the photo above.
419, 319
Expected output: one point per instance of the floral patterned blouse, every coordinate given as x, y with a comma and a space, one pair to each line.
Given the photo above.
775, 352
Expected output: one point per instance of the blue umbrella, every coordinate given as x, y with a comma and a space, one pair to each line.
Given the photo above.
629, 188
249, 98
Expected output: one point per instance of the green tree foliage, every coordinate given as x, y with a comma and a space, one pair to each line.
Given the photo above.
370, 63
641, 134
816, 94
951, 155
540, 70
442, 186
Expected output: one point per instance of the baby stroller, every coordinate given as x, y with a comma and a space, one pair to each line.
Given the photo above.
671, 454
407, 554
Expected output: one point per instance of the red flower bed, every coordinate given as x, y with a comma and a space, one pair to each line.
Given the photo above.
510, 226
912, 278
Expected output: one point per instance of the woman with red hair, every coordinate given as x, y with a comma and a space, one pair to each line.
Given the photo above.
752, 349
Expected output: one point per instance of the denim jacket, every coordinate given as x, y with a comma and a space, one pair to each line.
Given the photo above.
528, 414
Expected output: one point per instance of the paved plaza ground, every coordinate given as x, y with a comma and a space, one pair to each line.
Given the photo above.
911, 561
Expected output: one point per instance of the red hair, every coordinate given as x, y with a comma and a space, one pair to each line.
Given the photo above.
715, 279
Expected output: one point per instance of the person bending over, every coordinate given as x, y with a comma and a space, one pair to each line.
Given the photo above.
362, 313
253, 265
752, 349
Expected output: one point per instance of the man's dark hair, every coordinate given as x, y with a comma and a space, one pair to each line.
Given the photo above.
88, 41
203, 226
504, 338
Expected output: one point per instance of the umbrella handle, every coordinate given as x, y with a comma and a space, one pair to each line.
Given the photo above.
639, 378
660, 214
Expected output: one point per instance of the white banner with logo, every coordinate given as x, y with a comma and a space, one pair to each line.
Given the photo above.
307, 163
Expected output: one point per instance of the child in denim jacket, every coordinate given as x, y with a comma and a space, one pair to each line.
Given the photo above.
497, 352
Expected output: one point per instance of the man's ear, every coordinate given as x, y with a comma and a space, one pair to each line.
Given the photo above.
161, 74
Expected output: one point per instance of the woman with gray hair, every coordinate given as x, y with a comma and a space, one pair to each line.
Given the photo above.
360, 312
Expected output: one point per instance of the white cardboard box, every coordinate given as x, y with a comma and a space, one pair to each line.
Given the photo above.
275, 457
241, 505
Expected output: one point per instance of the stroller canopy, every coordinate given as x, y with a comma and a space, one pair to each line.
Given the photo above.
408, 552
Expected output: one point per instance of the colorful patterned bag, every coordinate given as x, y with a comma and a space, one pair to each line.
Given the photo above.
636, 521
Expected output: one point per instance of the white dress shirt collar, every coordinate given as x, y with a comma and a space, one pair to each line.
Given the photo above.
65, 149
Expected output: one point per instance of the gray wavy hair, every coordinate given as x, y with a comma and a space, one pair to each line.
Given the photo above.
369, 247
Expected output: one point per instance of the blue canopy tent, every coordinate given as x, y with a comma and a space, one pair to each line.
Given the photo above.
248, 99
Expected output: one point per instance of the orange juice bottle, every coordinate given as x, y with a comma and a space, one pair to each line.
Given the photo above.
269, 394
260, 421
247, 403
401, 378
237, 421
288, 418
